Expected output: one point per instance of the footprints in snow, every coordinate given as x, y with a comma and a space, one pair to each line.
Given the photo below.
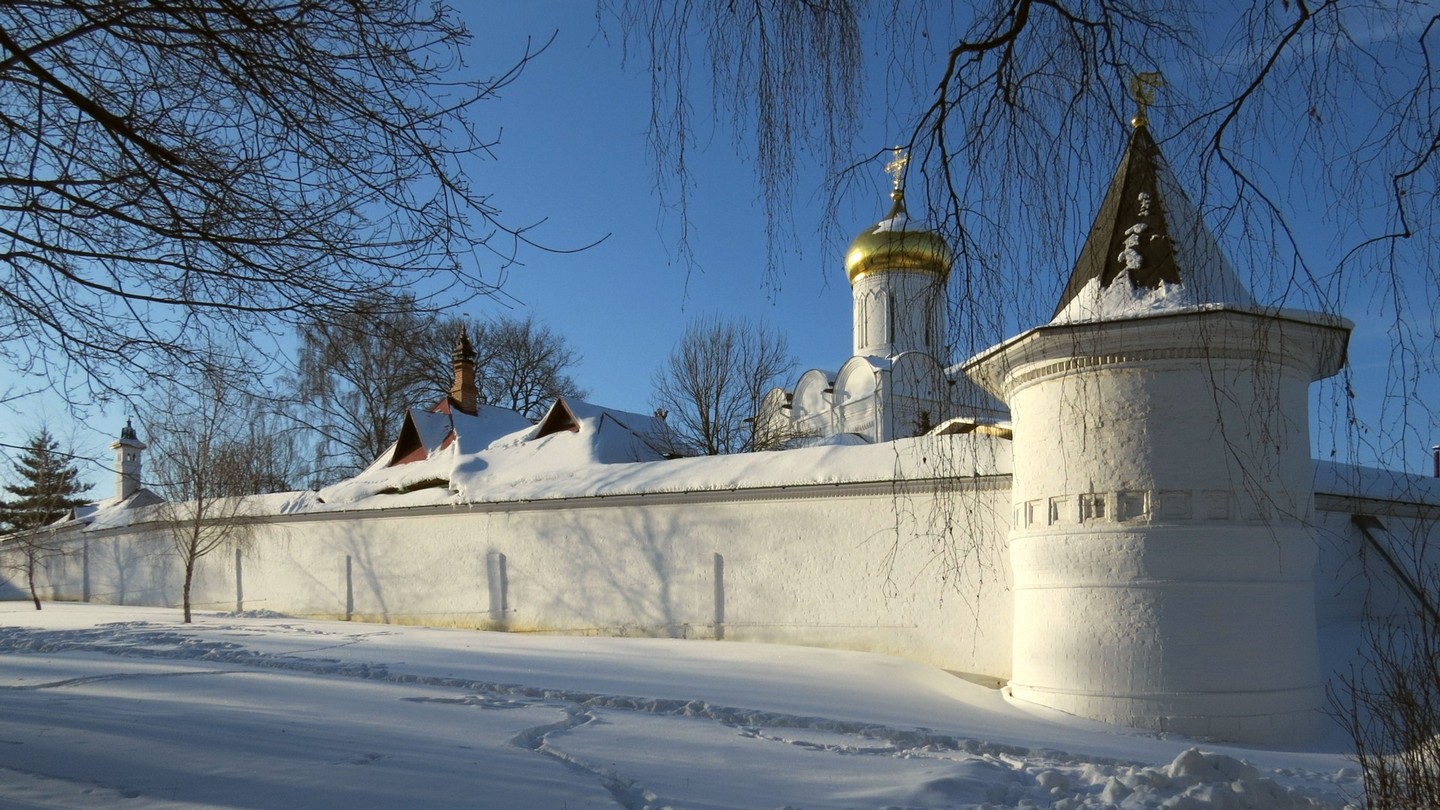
115, 676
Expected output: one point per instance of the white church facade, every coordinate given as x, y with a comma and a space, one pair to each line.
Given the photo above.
896, 384
1114, 514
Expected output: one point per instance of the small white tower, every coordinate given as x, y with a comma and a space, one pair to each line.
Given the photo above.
1163, 570
127, 462
897, 270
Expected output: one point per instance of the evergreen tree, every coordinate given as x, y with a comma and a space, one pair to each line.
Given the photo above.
50, 484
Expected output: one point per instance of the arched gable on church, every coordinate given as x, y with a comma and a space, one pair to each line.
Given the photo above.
857, 380
857, 397
810, 407
919, 394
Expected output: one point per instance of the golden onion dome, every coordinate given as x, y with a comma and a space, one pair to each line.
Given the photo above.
890, 245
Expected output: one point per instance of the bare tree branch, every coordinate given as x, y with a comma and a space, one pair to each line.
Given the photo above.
712, 386
186, 174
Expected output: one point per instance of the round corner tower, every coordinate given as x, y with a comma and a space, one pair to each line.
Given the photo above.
1163, 569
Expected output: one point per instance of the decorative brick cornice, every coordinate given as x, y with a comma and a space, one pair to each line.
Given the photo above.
1307, 343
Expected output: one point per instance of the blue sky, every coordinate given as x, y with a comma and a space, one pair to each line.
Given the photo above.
573, 152
572, 160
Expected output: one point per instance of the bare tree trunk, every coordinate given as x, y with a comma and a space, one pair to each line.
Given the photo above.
204, 467
189, 577
30, 577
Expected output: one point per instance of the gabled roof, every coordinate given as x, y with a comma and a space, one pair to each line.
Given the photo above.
618, 436
425, 432
559, 417
618, 443
1149, 234
422, 433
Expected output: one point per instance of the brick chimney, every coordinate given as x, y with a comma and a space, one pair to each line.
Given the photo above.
463, 393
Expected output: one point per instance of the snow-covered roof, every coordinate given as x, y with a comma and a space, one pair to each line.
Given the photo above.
969, 424
567, 465
458, 447
1149, 249
109, 511
427, 431
580, 449
431, 428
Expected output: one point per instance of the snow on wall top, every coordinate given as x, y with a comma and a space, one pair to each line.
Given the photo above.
1370, 482
583, 464
567, 465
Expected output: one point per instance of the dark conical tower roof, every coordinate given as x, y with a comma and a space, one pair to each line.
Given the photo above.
1147, 233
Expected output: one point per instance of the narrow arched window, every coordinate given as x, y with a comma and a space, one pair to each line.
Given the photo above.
890, 320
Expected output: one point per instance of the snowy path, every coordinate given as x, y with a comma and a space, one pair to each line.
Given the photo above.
100, 704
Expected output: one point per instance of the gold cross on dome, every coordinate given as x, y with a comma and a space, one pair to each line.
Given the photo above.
896, 167
1142, 90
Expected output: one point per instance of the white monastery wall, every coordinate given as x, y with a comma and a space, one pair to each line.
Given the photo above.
1358, 577
905, 569
899, 568
627, 568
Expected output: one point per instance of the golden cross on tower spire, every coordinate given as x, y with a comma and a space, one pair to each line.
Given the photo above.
896, 167
1142, 90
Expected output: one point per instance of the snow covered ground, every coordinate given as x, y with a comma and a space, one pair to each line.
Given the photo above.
105, 705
